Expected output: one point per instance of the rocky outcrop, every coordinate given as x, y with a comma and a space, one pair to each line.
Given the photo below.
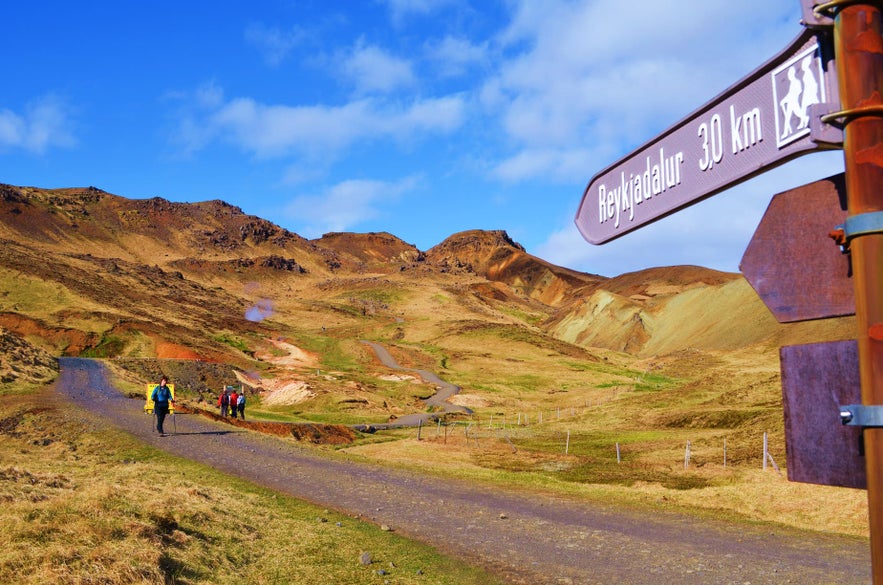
20, 361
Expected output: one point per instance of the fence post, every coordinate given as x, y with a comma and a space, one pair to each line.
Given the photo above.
765, 450
419, 428
567, 445
725, 451
618, 459
687, 456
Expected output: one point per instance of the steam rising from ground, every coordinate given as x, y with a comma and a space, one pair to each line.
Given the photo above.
261, 310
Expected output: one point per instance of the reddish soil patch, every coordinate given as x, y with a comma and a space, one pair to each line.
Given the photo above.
318, 434
166, 350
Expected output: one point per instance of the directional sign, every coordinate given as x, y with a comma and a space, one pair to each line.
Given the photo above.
793, 265
768, 118
817, 379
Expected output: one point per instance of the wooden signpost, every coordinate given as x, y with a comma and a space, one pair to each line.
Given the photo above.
794, 104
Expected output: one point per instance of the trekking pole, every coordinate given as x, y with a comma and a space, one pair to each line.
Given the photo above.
175, 422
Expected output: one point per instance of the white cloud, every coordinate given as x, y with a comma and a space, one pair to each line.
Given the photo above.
373, 70
578, 74
46, 123
550, 163
455, 56
270, 131
403, 8
274, 44
345, 205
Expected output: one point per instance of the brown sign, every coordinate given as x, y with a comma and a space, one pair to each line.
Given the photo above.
769, 117
795, 267
817, 379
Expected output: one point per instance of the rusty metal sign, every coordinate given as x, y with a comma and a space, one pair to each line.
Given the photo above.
795, 267
768, 118
817, 379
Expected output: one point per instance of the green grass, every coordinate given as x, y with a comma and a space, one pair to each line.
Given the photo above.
109, 346
233, 341
379, 295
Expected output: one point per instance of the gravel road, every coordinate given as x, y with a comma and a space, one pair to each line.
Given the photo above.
523, 538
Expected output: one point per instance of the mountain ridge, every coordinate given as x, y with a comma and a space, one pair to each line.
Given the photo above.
123, 263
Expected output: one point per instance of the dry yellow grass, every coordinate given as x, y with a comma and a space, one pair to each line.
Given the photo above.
702, 366
84, 504
743, 493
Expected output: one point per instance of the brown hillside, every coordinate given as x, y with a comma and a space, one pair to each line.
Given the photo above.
377, 251
662, 310
495, 256
90, 271
149, 231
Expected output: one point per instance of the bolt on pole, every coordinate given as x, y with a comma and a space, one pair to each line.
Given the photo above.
858, 45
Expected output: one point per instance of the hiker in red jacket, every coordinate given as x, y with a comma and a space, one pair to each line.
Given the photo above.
224, 402
233, 398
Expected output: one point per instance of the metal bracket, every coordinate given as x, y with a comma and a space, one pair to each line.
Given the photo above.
821, 129
843, 118
862, 224
813, 16
861, 415
821, 13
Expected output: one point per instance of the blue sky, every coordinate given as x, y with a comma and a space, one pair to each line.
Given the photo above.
421, 118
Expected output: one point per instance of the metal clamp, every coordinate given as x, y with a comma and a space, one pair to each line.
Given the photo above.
861, 415
820, 14
814, 15
861, 224
844, 117
821, 129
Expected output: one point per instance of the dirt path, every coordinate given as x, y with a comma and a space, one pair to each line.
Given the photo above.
524, 538
438, 400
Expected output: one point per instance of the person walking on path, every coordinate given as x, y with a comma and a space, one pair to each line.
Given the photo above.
224, 402
233, 401
240, 405
161, 396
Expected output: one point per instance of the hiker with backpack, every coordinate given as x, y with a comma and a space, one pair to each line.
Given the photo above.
162, 397
224, 402
233, 400
240, 405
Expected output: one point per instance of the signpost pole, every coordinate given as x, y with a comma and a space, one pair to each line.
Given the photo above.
858, 45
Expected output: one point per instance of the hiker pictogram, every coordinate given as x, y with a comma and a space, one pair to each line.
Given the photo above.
799, 82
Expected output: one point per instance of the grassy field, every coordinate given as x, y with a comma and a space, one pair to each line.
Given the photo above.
550, 419
566, 442
85, 504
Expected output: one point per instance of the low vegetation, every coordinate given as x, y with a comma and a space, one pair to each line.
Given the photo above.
656, 391
86, 504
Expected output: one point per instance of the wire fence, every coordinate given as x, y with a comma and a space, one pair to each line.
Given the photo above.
516, 433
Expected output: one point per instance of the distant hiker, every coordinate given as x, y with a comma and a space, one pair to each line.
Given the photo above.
234, 398
224, 402
240, 405
161, 397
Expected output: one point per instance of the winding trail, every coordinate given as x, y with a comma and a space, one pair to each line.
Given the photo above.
437, 400
524, 538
